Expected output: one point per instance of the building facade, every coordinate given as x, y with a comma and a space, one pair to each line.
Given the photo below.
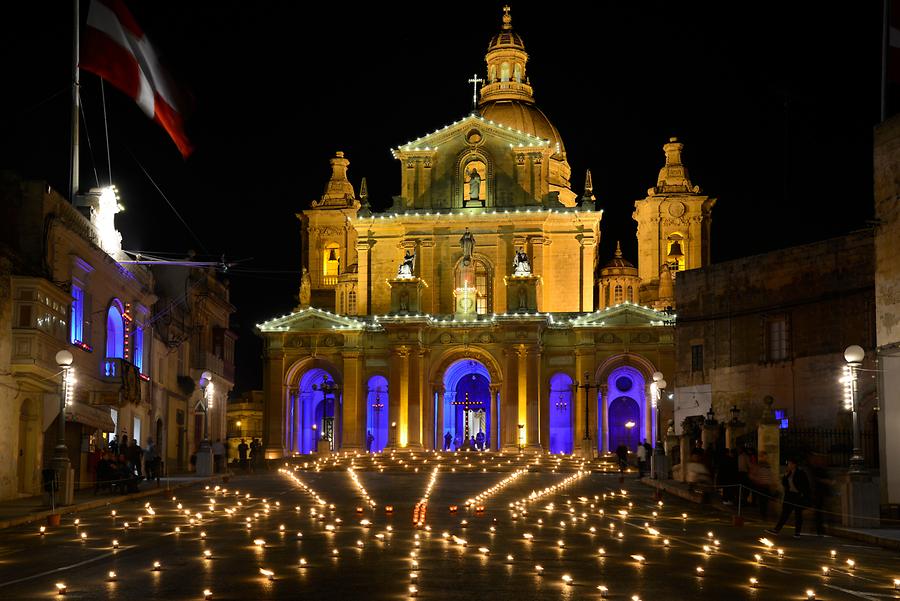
777, 324
66, 284
887, 304
465, 314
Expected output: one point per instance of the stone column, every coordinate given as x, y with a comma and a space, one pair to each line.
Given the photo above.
353, 409
649, 424
273, 429
510, 399
362, 287
439, 419
294, 400
710, 434
537, 267
414, 419
426, 268
769, 440
588, 244
394, 395
402, 354
495, 417
734, 429
533, 414
604, 417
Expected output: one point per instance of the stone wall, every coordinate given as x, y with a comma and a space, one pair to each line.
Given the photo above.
823, 293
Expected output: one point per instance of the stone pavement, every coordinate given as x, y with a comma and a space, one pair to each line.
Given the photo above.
15, 512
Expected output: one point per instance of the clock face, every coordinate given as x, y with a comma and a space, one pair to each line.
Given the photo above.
676, 209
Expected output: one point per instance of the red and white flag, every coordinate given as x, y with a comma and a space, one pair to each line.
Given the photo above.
116, 49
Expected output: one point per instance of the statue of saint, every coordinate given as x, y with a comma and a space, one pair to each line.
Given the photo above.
521, 265
404, 302
467, 243
523, 299
474, 184
305, 289
405, 271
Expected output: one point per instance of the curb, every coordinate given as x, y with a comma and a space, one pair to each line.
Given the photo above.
94, 503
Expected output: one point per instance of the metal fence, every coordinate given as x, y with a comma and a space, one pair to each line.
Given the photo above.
836, 445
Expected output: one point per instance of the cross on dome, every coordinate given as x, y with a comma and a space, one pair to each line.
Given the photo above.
475, 80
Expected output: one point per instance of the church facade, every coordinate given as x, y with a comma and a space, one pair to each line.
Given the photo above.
471, 313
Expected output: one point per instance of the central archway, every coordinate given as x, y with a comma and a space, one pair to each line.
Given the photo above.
467, 415
313, 412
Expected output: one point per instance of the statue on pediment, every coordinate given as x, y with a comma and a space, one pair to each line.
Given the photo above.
521, 265
405, 271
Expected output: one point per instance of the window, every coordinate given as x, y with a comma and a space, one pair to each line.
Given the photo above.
115, 333
517, 72
492, 73
675, 256
504, 72
351, 302
606, 296
136, 433
617, 294
629, 295
696, 357
480, 276
341, 303
76, 322
777, 339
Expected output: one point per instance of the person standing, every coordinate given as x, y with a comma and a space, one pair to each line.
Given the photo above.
642, 460
369, 440
796, 498
136, 456
151, 461
448, 440
219, 452
622, 454
254, 454
243, 448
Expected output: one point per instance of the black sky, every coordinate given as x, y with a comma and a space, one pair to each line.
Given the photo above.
775, 103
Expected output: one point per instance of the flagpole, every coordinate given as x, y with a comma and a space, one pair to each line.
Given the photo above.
885, 33
76, 103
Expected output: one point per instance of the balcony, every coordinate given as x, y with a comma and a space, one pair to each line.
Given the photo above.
329, 280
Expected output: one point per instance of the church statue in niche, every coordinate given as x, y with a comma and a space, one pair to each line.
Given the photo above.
405, 271
467, 244
475, 184
521, 265
305, 289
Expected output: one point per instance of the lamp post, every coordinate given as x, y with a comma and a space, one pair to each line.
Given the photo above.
328, 388
204, 453
854, 355
60, 461
659, 387
587, 449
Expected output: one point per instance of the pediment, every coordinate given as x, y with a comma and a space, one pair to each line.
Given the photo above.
310, 319
624, 315
464, 128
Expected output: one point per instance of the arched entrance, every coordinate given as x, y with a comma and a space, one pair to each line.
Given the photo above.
560, 400
313, 412
377, 411
624, 423
466, 405
626, 408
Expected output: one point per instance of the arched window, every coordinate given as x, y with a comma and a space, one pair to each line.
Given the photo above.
351, 302
331, 260
675, 252
629, 295
617, 294
341, 303
606, 295
474, 195
492, 73
479, 278
504, 72
517, 73
115, 333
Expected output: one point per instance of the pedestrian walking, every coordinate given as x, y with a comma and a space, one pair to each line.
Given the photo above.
243, 449
151, 461
796, 498
642, 460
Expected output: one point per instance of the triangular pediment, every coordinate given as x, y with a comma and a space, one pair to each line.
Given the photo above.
310, 319
461, 128
624, 315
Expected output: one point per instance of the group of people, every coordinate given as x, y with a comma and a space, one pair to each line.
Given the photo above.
745, 476
249, 456
477, 442
123, 464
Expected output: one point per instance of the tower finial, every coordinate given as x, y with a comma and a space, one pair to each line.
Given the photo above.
618, 249
588, 195
507, 18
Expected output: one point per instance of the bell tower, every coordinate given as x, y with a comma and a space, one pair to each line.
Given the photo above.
673, 229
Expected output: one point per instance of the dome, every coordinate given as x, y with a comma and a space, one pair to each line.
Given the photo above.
506, 39
618, 264
525, 117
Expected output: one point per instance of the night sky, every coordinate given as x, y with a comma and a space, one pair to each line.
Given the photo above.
775, 105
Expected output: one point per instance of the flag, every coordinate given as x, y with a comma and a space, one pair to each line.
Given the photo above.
116, 49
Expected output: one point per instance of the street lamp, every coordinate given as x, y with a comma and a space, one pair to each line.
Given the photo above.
204, 453
659, 387
854, 355
60, 461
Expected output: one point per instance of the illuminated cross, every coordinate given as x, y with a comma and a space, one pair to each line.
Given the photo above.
466, 404
475, 81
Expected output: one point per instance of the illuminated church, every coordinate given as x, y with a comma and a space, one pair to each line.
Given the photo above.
474, 312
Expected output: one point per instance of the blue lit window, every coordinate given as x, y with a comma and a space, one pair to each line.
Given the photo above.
76, 323
782, 420
139, 348
115, 333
